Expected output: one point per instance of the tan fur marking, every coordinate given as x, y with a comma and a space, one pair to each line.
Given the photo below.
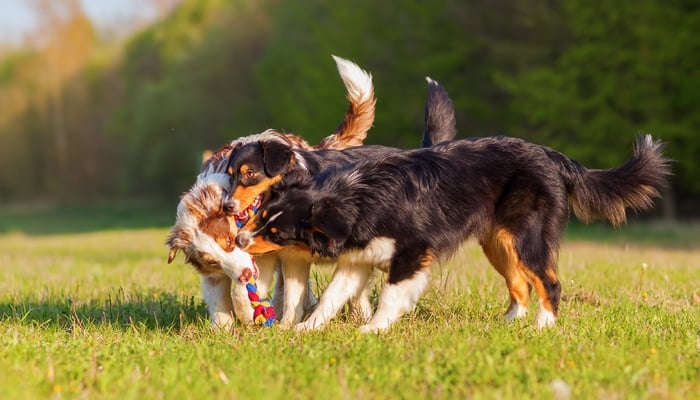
513, 263
222, 229
353, 130
261, 246
246, 194
427, 259
540, 289
500, 250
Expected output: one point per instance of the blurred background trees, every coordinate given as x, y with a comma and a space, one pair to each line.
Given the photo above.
83, 117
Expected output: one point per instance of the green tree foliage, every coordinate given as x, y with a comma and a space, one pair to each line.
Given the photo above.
582, 77
626, 67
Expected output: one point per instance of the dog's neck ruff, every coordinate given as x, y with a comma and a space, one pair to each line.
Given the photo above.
247, 213
263, 311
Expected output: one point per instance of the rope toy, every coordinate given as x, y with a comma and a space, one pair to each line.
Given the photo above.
263, 311
247, 213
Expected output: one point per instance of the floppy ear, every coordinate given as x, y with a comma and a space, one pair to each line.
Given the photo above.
276, 157
172, 254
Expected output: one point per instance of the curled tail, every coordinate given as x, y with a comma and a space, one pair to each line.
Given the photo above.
360, 115
606, 194
440, 122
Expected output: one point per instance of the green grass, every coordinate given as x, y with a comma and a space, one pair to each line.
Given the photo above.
89, 311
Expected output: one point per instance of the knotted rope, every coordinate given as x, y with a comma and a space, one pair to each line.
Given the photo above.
247, 213
263, 311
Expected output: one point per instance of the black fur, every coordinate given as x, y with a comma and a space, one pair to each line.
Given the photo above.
273, 156
440, 124
430, 200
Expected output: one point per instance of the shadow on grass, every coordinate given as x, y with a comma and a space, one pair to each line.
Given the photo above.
152, 312
78, 218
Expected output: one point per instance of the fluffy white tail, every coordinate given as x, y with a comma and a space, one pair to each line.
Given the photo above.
360, 115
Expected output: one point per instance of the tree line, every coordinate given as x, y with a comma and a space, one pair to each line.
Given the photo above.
81, 118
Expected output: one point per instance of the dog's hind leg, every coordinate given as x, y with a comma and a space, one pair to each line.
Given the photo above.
539, 265
348, 281
408, 279
499, 248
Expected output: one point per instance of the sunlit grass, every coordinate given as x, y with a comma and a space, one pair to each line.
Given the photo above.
102, 315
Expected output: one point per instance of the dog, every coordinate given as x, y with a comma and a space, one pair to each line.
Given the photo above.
411, 210
204, 232
254, 168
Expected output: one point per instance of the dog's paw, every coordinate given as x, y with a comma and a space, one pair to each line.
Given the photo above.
371, 328
285, 324
514, 312
544, 319
309, 325
302, 327
222, 322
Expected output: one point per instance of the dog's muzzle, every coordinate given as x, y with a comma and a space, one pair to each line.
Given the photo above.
244, 239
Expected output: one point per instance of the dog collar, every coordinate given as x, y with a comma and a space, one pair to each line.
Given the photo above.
246, 214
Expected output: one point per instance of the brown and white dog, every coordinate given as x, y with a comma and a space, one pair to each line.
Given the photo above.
204, 231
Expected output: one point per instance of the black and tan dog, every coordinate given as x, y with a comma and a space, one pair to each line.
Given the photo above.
412, 209
258, 165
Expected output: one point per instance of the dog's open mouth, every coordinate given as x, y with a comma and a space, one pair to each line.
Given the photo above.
249, 212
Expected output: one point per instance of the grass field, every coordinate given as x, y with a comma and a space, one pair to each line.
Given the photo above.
89, 308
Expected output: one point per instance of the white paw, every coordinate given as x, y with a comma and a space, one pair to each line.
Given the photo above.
515, 311
544, 318
285, 324
222, 322
303, 327
371, 328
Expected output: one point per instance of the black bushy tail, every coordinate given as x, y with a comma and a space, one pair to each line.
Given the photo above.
606, 194
440, 122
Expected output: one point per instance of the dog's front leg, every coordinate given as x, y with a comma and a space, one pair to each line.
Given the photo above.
396, 300
295, 273
349, 280
216, 290
361, 307
266, 273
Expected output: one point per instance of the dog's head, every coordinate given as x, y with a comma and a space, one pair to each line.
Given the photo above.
282, 222
295, 216
255, 167
205, 233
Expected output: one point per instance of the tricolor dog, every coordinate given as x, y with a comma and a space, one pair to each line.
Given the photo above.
410, 210
257, 166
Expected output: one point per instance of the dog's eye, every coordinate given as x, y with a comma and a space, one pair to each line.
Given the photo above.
250, 173
213, 263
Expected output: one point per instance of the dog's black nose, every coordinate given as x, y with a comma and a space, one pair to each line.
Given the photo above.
242, 240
